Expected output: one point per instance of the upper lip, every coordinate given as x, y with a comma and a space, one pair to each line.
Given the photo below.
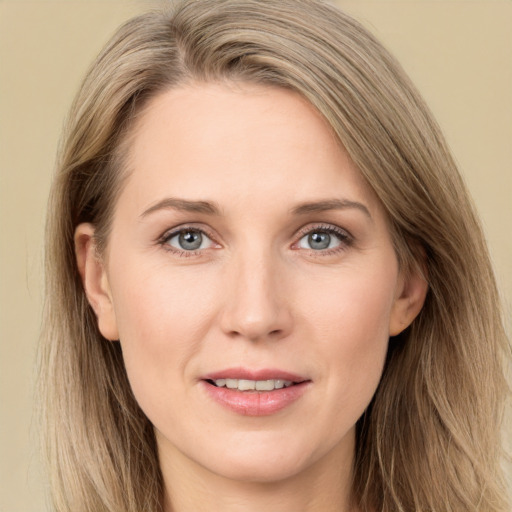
252, 374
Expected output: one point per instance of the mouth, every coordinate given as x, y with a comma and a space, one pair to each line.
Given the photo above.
252, 385
255, 393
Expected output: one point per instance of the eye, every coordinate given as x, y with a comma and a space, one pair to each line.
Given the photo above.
321, 239
188, 239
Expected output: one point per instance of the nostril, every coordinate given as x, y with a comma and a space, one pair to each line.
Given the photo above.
252, 322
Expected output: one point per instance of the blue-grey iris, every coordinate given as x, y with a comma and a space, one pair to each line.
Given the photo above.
319, 241
190, 240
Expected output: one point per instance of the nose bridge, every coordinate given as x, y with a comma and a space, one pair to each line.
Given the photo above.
256, 306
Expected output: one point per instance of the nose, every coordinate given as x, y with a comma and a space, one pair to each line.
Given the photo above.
256, 300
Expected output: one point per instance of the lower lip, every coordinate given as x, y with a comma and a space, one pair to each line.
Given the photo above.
256, 403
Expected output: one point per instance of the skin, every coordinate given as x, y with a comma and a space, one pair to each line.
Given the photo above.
256, 294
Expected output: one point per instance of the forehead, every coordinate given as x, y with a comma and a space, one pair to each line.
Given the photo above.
238, 143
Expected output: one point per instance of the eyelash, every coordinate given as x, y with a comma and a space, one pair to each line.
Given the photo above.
345, 238
163, 241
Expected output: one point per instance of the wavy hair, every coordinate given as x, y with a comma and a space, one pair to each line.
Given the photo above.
430, 439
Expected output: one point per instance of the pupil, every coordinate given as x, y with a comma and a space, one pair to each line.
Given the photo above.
190, 240
319, 241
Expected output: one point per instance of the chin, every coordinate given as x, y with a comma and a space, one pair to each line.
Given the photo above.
259, 470
266, 461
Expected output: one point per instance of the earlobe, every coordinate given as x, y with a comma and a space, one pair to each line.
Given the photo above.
95, 280
411, 294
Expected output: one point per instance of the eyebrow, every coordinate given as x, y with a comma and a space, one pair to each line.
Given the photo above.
210, 208
171, 203
330, 204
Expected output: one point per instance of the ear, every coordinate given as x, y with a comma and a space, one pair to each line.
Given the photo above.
95, 280
409, 299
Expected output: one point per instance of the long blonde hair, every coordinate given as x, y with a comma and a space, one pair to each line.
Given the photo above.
430, 439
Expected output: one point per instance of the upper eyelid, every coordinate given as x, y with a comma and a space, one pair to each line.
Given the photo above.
311, 227
301, 232
164, 240
169, 233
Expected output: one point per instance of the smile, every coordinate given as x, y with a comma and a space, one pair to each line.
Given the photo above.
252, 385
255, 392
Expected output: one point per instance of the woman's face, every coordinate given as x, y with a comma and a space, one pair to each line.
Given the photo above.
247, 251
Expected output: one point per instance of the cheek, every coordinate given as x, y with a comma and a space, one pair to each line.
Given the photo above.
160, 303
162, 317
353, 306
350, 322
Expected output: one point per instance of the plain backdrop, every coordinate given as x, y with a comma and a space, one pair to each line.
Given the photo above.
458, 52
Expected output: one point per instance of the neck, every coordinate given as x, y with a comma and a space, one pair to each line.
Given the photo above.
325, 486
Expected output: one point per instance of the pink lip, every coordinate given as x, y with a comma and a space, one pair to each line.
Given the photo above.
263, 374
255, 403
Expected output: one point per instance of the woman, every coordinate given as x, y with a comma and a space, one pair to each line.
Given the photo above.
266, 283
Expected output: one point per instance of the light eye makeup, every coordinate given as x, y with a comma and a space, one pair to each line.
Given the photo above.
317, 240
187, 241
323, 239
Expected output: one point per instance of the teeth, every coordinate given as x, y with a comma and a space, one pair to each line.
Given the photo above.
249, 385
231, 383
266, 385
246, 385
279, 384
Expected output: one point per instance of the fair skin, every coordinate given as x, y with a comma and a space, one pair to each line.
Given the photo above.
245, 238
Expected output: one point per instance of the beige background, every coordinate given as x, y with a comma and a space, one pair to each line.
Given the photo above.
459, 52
